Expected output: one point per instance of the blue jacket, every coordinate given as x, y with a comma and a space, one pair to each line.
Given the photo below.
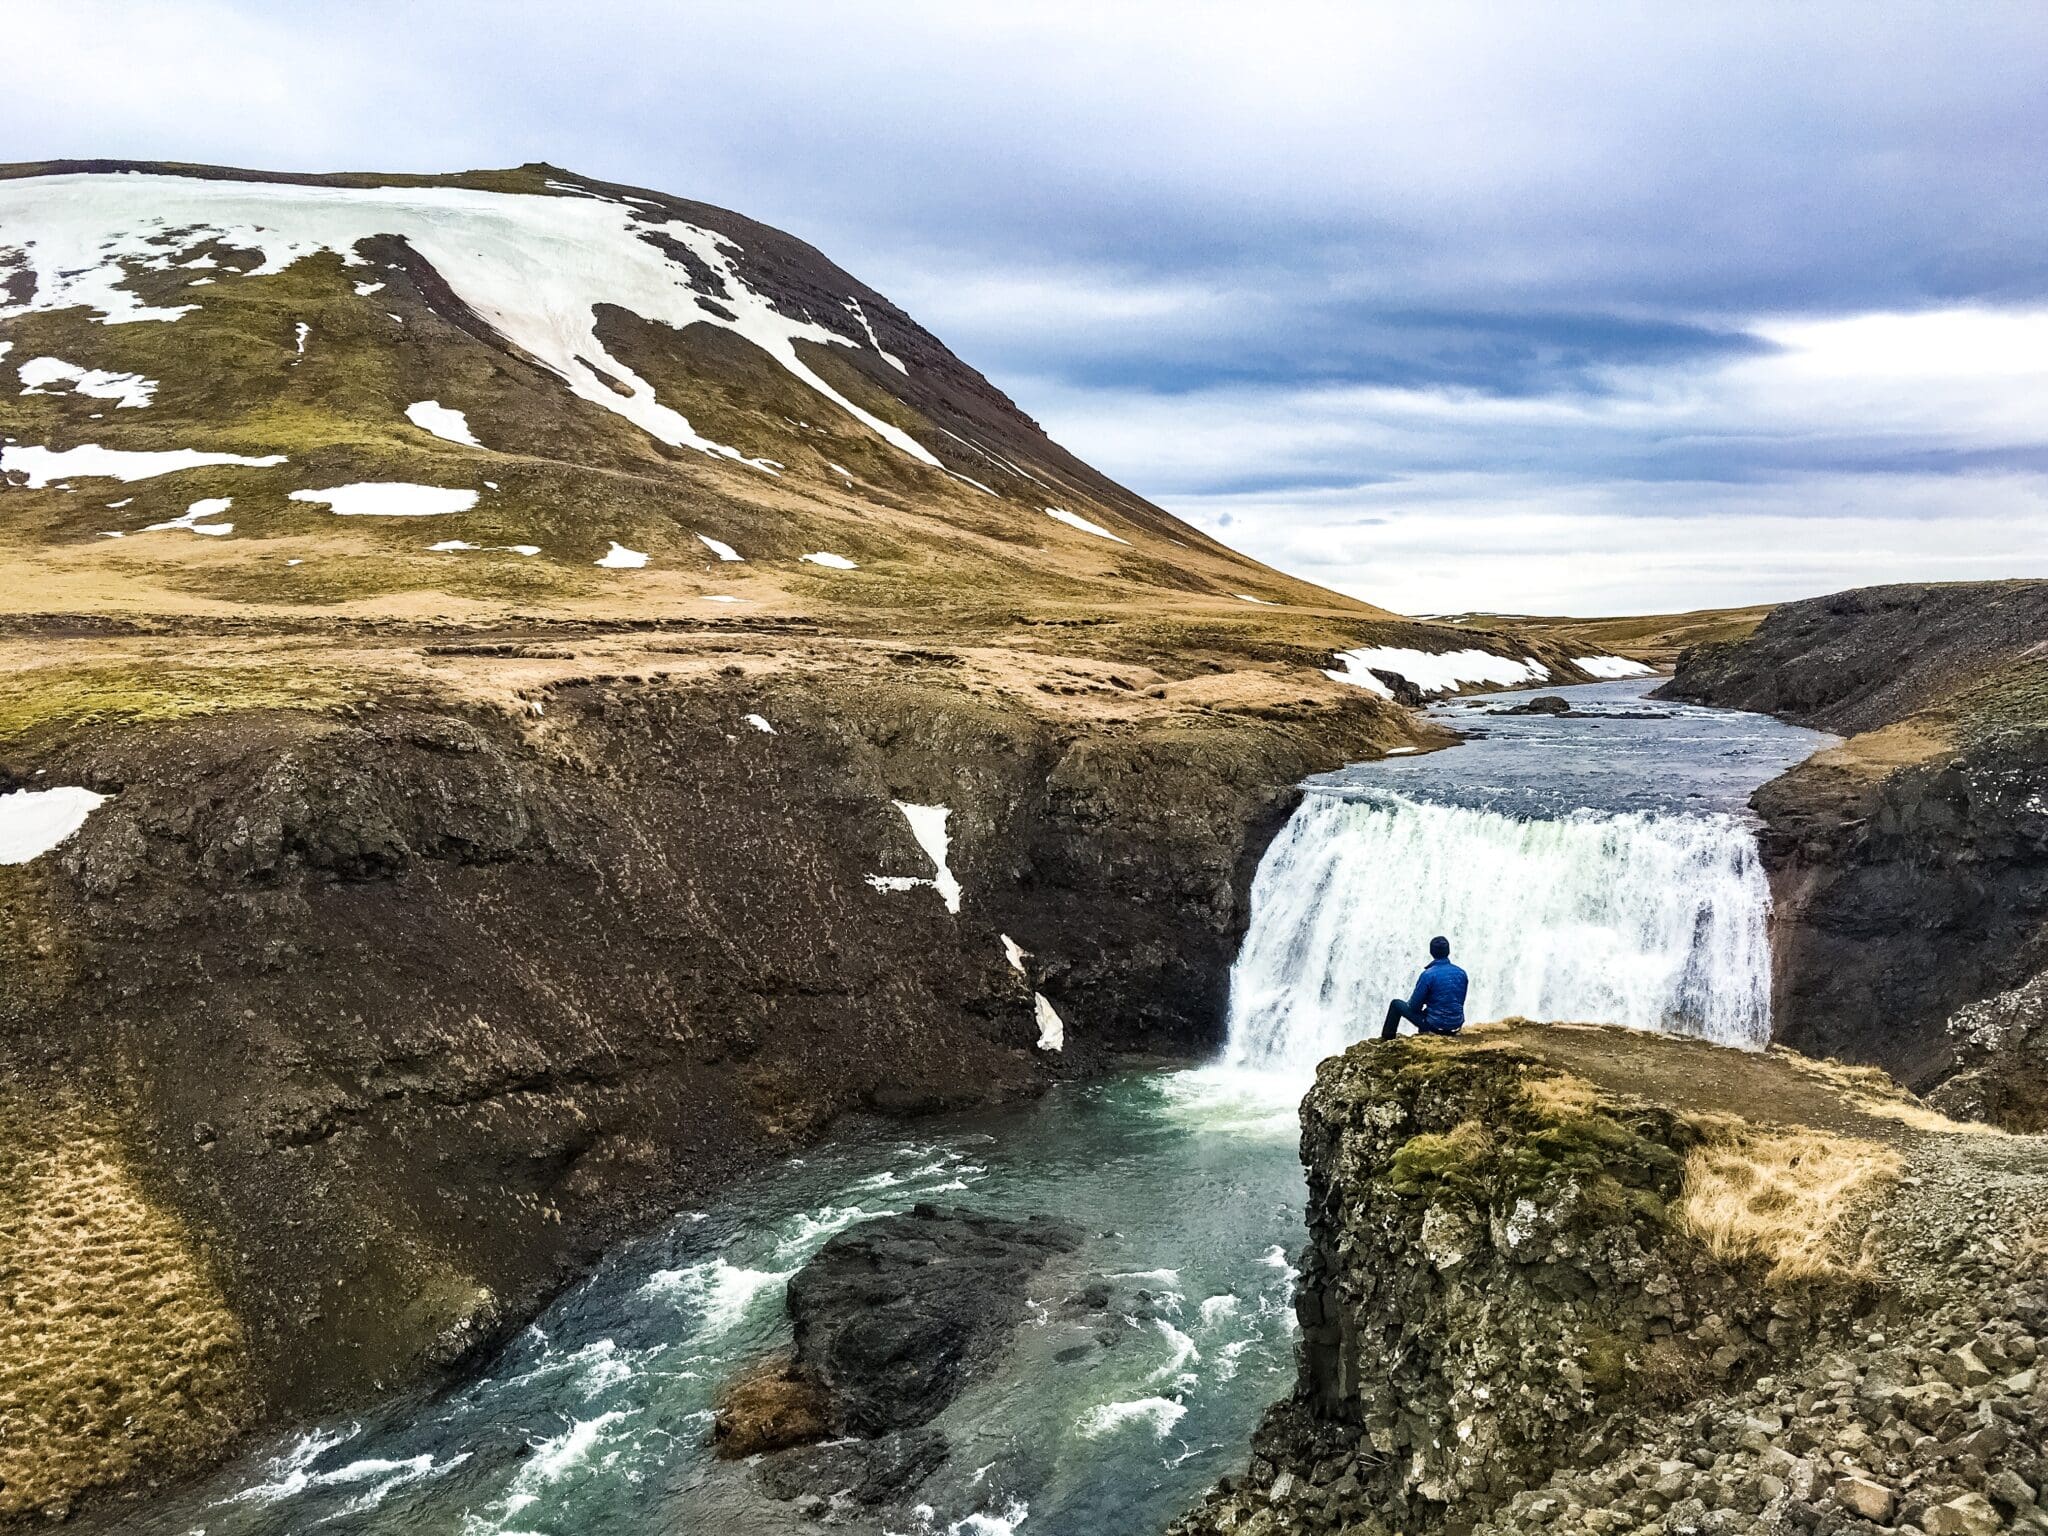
1440, 998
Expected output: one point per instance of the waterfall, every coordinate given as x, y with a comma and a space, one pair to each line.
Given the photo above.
1654, 920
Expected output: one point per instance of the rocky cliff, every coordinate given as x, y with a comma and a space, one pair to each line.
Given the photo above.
1580, 1280
382, 1016
1910, 865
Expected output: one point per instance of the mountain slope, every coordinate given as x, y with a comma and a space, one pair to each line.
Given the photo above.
577, 366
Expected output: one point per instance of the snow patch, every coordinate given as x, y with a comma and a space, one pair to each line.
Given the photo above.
192, 520
1263, 602
718, 547
1432, 671
534, 267
760, 724
827, 558
131, 390
390, 498
620, 558
90, 461
33, 821
1052, 1030
853, 308
364, 290
1611, 666
449, 546
928, 826
444, 422
1013, 952
1075, 520
300, 334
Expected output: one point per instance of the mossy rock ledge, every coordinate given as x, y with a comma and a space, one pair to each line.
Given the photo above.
1523, 1308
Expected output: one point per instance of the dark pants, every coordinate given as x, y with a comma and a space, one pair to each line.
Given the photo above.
1398, 1010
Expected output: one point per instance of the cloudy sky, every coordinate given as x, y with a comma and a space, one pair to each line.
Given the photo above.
1565, 308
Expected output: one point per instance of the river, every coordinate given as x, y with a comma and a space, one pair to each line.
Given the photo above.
1598, 865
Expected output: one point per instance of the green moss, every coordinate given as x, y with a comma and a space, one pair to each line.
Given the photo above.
1607, 1361
49, 697
1457, 1160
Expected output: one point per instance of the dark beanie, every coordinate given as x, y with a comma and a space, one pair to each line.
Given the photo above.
1440, 947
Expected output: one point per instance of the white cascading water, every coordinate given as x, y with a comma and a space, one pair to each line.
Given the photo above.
1656, 921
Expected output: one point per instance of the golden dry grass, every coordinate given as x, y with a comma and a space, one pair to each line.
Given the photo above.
1777, 1193
1562, 1096
117, 1350
1873, 1091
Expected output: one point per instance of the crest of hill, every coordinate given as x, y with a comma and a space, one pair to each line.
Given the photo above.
631, 403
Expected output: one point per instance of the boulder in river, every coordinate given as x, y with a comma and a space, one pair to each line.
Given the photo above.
895, 1316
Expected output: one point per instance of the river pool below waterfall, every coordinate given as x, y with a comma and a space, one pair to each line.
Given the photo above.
1598, 865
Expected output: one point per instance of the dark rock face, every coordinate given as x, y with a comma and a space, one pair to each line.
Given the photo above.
1910, 867
1858, 660
894, 1316
1905, 893
2001, 1047
1485, 1282
869, 1472
1544, 704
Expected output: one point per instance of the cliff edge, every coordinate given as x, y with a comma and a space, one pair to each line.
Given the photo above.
1578, 1279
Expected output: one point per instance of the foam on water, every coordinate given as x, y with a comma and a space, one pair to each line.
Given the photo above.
1160, 1413
721, 1293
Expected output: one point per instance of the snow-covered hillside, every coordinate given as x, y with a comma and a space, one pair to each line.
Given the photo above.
535, 360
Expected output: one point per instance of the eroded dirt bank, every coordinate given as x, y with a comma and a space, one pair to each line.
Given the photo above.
1910, 865
377, 1018
1572, 1279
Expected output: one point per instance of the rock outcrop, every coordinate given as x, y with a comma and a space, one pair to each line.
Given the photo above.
893, 1319
1909, 865
1569, 1280
2001, 1051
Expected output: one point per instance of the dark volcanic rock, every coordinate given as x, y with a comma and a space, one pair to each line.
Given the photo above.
1855, 661
2001, 1047
1545, 704
868, 1472
894, 1316
1910, 866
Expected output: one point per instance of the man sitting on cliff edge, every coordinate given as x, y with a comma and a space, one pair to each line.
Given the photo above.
1438, 1006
